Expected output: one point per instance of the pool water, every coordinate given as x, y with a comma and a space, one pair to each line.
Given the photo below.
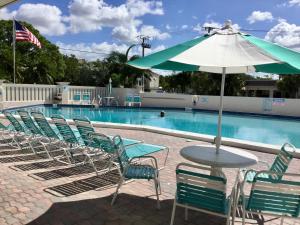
264, 129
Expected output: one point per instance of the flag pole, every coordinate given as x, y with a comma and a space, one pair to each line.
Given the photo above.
14, 49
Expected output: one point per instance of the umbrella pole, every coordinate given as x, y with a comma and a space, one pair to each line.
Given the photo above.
218, 139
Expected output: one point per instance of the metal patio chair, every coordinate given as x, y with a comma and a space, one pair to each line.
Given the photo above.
279, 165
202, 192
131, 168
272, 197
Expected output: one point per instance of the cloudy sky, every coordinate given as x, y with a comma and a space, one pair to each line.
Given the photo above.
105, 25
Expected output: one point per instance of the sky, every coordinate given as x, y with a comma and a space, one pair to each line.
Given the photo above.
103, 26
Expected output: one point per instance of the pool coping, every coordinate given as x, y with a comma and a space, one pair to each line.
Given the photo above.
232, 142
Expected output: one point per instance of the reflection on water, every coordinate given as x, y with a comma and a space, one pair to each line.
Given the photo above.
268, 130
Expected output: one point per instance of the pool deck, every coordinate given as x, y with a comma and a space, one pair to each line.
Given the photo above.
84, 200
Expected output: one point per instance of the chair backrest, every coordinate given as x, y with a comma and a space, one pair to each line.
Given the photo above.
200, 190
29, 123
136, 99
44, 125
14, 122
278, 196
103, 142
86, 96
64, 129
85, 128
3, 127
282, 161
121, 153
77, 96
129, 98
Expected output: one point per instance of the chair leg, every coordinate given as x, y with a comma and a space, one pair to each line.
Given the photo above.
186, 214
156, 190
117, 190
244, 211
173, 212
281, 221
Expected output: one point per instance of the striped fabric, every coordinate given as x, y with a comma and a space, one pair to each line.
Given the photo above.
280, 197
64, 129
44, 125
140, 172
29, 123
201, 191
15, 123
23, 34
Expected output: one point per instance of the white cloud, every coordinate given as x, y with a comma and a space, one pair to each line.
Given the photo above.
195, 17
48, 19
285, 34
198, 28
6, 15
95, 51
153, 33
184, 27
294, 3
92, 15
260, 16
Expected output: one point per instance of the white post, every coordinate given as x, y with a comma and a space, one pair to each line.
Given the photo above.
14, 49
218, 139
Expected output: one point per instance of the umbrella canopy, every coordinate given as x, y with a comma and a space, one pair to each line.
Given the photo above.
224, 51
225, 48
4, 3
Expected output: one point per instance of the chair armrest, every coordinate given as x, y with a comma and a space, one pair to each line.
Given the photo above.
152, 158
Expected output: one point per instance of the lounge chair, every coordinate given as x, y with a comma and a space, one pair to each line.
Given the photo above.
129, 168
85, 127
72, 143
202, 192
280, 164
86, 98
77, 97
137, 101
6, 135
128, 100
22, 138
273, 197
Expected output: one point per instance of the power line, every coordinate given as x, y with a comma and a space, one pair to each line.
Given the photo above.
76, 50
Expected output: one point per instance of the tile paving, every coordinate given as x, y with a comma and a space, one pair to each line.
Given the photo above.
83, 198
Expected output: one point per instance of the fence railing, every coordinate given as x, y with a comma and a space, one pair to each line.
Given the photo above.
94, 92
28, 92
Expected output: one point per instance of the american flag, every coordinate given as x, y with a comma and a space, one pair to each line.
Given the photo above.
23, 34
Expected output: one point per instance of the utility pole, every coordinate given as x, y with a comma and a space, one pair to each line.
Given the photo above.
144, 44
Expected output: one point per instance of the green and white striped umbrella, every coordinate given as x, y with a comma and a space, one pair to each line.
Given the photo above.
224, 51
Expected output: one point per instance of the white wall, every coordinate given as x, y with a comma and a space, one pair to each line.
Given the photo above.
269, 106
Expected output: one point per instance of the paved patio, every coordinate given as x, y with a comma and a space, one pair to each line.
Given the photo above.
43, 193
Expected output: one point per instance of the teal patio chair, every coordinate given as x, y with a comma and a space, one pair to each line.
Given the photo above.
129, 168
22, 138
137, 100
48, 131
273, 197
279, 165
86, 98
128, 100
85, 127
77, 97
202, 192
6, 135
73, 145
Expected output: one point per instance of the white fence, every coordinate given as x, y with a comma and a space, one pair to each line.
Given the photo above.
16, 95
268, 106
28, 92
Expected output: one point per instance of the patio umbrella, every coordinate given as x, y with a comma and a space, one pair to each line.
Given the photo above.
4, 3
224, 51
109, 87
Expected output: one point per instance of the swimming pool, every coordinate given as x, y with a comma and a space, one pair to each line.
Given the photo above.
264, 129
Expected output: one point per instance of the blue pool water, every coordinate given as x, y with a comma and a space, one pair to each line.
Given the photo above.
269, 130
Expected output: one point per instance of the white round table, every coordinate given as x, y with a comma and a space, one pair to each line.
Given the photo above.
226, 158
